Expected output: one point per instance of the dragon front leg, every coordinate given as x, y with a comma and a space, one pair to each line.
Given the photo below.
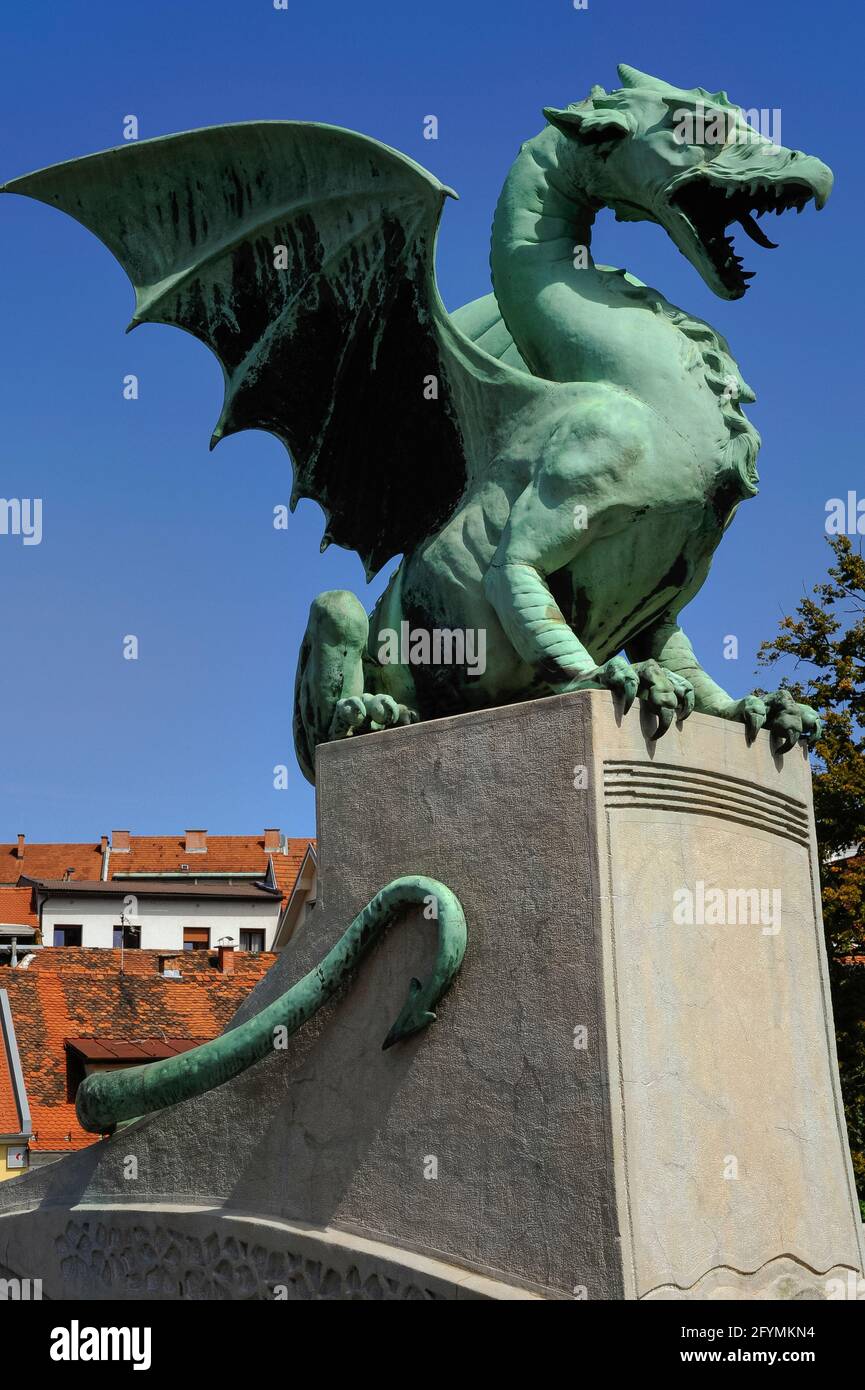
786, 720
538, 630
581, 470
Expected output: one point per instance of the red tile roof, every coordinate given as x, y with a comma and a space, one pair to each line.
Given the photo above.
287, 866
155, 854
16, 905
50, 861
10, 1120
73, 993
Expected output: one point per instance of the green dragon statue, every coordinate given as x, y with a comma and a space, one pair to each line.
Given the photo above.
555, 462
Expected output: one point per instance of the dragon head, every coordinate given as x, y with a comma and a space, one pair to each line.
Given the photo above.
688, 160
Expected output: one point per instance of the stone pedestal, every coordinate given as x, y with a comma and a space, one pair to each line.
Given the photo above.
630, 1091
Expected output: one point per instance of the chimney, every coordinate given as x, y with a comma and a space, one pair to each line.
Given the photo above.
120, 842
272, 841
19, 853
195, 842
104, 844
225, 960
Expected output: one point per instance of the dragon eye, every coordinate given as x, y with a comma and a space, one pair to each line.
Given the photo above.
703, 127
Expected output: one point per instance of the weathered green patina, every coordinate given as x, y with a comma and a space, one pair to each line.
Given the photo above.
106, 1098
556, 462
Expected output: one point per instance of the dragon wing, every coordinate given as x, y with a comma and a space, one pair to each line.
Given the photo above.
303, 256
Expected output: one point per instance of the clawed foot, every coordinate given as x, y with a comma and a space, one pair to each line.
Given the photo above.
660, 691
785, 720
366, 714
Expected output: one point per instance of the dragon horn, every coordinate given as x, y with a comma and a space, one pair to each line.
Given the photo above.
632, 77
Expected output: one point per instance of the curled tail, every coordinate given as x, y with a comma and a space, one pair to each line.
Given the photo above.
104, 1099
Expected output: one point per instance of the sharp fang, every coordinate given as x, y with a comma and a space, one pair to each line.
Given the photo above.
756, 233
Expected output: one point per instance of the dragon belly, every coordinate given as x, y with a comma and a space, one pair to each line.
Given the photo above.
623, 583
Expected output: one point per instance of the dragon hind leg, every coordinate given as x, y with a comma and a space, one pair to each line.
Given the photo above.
329, 669
332, 695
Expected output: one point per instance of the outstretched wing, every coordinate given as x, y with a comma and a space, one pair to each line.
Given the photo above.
303, 256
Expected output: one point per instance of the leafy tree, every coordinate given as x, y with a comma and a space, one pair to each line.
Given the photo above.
826, 639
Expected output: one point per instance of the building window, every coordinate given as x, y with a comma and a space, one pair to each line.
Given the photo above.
196, 938
252, 940
67, 936
127, 937
75, 1074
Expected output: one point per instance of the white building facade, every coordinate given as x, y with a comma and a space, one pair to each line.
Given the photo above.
158, 915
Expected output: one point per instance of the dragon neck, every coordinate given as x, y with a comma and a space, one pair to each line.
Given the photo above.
542, 227
573, 320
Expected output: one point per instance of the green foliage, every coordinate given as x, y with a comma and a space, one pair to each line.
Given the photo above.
826, 639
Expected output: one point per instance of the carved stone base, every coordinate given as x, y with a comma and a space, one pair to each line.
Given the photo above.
200, 1253
630, 1091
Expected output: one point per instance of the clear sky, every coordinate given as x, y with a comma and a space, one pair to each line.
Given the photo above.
146, 533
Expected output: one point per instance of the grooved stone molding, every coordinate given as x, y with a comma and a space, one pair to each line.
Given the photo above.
652, 784
619, 1099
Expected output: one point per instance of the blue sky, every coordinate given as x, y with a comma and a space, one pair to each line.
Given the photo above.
145, 532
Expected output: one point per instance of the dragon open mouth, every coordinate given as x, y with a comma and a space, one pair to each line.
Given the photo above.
709, 208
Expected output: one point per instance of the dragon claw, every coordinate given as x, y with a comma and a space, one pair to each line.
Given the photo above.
665, 719
367, 713
785, 720
662, 692
753, 716
619, 677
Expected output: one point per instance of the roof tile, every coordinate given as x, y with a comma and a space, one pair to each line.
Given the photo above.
50, 861
73, 993
16, 905
10, 1120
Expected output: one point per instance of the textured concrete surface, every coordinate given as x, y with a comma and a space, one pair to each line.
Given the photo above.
697, 1132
